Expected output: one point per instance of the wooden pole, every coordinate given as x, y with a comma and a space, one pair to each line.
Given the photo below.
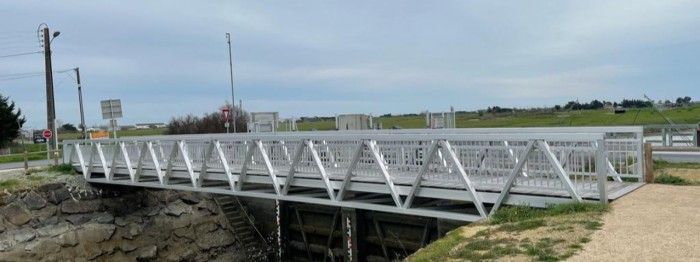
26, 161
648, 164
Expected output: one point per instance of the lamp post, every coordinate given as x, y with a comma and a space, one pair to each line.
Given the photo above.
230, 64
50, 105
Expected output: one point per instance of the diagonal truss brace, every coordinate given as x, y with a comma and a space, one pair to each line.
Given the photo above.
563, 176
511, 177
319, 165
257, 145
96, 149
372, 145
464, 178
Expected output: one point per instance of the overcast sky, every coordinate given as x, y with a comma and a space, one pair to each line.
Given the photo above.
307, 58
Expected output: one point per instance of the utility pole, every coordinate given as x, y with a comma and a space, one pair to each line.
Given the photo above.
80, 98
50, 106
230, 64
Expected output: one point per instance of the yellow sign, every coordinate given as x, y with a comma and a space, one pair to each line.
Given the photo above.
99, 135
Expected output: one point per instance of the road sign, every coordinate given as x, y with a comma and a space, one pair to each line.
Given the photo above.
111, 109
225, 112
47, 133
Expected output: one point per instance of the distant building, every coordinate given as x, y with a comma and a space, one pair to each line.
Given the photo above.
263, 122
608, 106
149, 125
353, 122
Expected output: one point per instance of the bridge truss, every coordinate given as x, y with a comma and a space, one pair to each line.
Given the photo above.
460, 174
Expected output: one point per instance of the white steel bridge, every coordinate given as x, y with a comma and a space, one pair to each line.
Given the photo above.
461, 174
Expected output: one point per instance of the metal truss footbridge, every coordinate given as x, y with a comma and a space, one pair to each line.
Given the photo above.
460, 174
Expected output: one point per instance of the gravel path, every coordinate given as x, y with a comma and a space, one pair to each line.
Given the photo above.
653, 223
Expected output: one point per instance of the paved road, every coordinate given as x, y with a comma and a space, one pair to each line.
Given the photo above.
34, 163
677, 157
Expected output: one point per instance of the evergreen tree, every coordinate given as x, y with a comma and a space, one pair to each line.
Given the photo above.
10, 121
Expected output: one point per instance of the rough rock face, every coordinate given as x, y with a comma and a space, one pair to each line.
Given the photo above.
55, 223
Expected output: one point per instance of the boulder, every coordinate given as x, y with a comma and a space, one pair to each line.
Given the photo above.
190, 198
88, 251
50, 187
52, 231
120, 221
152, 211
145, 253
81, 207
185, 233
209, 207
59, 195
219, 238
78, 219
51, 221
177, 208
34, 201
24, 235
48, 211
43, 248
2, 229
134, 219
206, 227
68, 239
126, 247
132, 230
95, 233
105, 218
16, 214
8, 198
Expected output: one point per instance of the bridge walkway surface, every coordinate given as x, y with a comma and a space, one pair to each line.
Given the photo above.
458, 174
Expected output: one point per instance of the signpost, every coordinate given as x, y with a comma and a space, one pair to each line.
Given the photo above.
48, 134
112, 109
225, 112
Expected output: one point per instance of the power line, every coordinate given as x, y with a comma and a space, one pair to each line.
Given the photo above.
21, 54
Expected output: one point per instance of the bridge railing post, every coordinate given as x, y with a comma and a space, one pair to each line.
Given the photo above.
602, 171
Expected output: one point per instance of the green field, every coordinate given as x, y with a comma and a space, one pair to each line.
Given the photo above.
644, 116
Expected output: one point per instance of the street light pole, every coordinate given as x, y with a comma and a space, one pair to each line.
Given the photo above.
230, 64
80, 98
50, 105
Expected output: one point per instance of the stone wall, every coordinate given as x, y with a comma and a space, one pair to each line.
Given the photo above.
56, 223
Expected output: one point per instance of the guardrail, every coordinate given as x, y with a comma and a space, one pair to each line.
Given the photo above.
492, 166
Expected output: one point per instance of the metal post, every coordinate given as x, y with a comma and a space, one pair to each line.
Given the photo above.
80, 99
230, 63
601, 161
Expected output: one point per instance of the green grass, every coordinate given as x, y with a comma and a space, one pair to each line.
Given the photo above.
439, 248
522, 213
661, 164
671, 180
20, 158
522, 225
9, 183
63, 169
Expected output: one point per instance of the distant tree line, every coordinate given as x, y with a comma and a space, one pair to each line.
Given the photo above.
209, 123
593, 105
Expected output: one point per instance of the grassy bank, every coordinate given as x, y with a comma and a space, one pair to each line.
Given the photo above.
520, 233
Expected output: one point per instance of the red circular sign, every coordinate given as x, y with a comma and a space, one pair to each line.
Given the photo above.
47, 133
